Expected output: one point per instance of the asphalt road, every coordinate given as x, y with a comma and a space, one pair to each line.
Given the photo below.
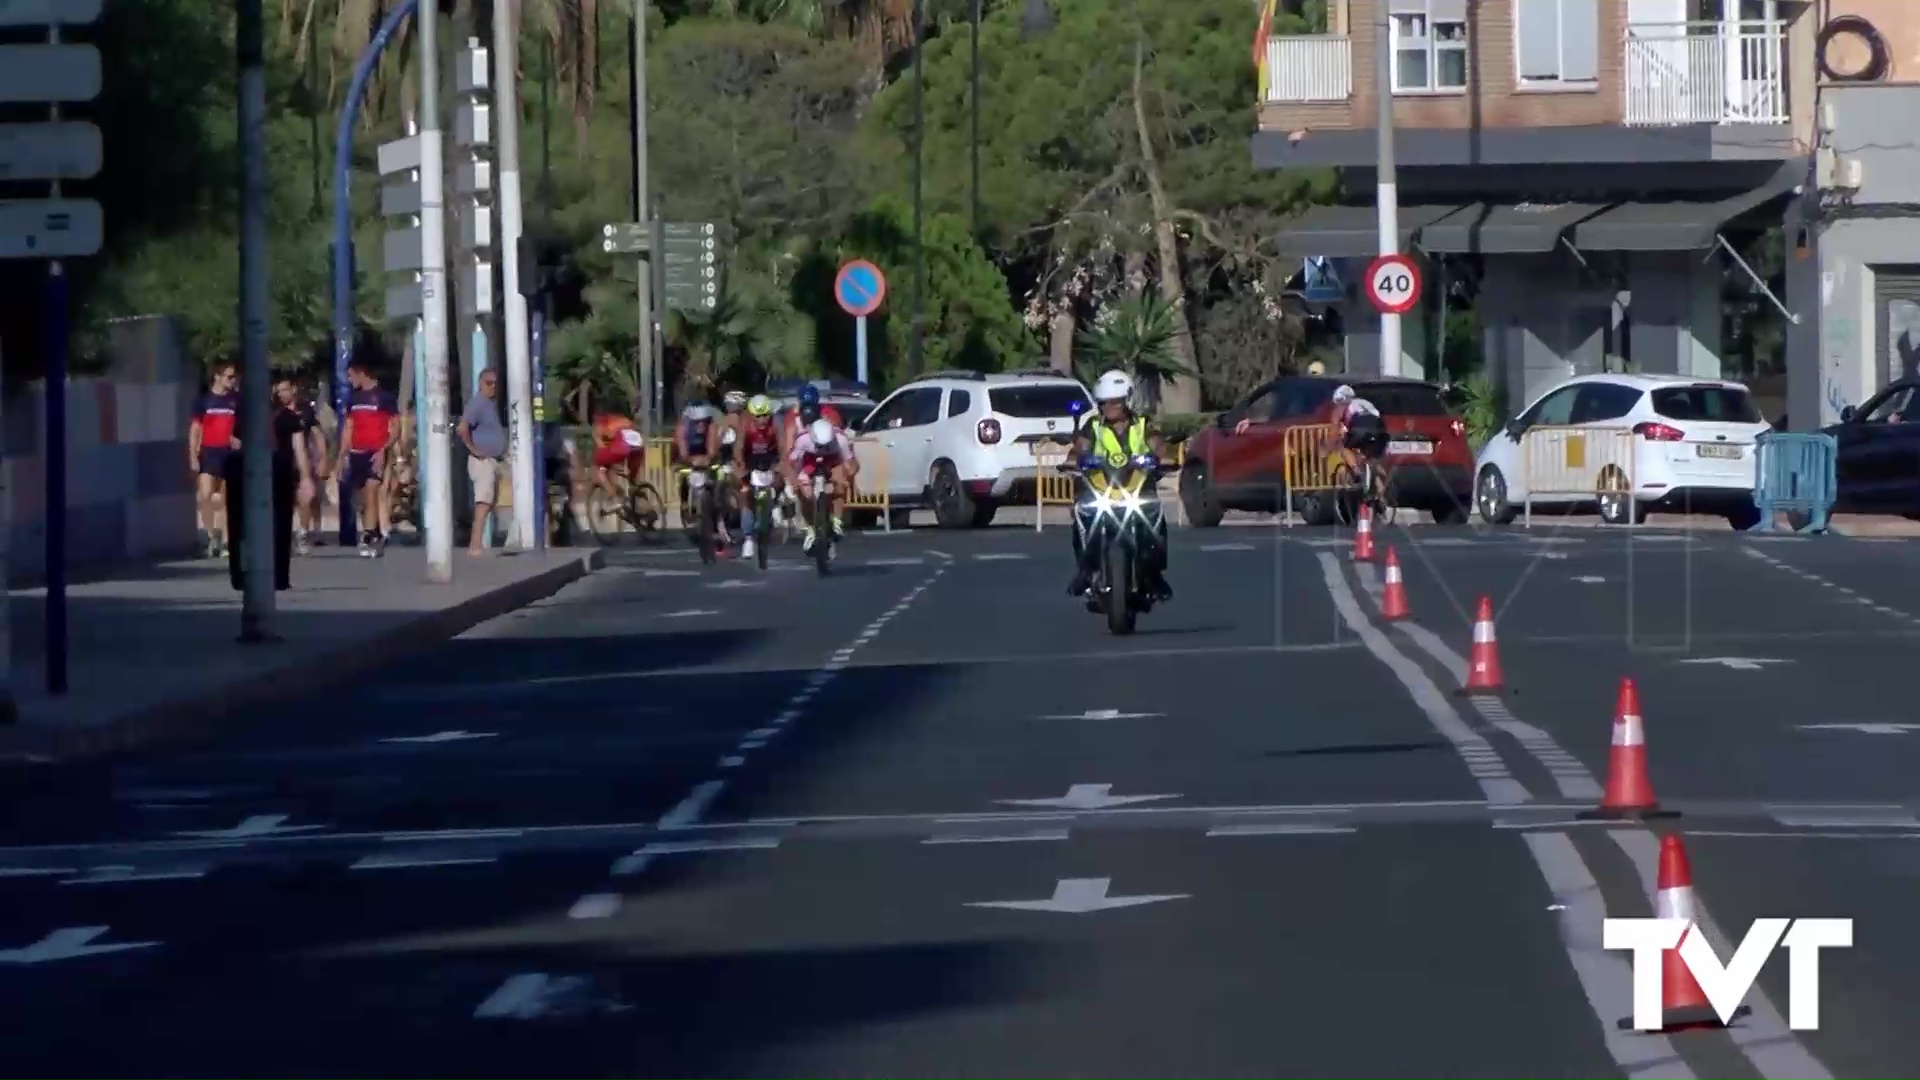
926, 817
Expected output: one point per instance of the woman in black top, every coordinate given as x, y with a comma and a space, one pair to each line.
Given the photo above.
292, 480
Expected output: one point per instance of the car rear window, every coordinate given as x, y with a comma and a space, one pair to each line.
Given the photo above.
1403, 399
1715, 404
1046, 401
852, 415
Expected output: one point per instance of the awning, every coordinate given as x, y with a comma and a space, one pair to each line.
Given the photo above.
1523, 229
1353, 231
1669, 226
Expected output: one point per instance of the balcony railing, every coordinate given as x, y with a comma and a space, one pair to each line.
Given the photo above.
1706, 73
1308, 69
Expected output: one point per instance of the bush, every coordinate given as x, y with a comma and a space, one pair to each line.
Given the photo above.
1179, 427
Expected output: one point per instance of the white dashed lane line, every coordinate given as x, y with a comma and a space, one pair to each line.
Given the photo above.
691, 809
1845, 593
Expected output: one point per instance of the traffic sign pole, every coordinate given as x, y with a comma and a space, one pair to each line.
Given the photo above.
860, 348
1387, 196
860, 288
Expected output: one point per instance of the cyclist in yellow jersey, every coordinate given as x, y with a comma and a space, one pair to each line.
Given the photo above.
1114, 434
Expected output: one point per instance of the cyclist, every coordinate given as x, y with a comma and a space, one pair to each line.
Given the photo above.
756, 450
1114, 434
1362, 431
726, 433
616, 442
819, 448
809, 408
693, 445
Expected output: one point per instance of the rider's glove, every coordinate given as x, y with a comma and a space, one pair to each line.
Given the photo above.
1089, 462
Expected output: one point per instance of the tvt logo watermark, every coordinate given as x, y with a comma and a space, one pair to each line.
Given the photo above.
1726, 986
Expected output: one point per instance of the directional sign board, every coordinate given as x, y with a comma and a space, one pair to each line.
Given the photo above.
627, 239
49, 12
49, 228
51, 151
41, 73
860, 287
690, 263
1321, 282
1393, 284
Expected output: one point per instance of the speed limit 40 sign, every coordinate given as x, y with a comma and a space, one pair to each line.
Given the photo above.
1393, 284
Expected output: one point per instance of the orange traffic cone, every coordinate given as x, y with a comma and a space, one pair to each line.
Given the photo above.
1629, 792
1483, 664
1363, 535
1682, 1003
1393, 602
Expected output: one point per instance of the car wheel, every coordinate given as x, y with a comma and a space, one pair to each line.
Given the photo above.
1744, 517
983, 510
1448, 513
1617, 504
1490, 498
1196, 497
952, 507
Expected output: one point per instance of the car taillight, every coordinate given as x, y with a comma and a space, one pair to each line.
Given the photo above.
989, 431
1459, 429
1653, 432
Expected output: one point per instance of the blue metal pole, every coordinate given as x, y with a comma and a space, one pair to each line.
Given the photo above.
56, 508
343, 320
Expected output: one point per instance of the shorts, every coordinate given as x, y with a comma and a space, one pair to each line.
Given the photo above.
484, 474
606, 457
213, 461
1367, 434
361, 470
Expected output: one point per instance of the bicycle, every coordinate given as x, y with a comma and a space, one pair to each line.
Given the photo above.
633, 503
699, 513
1369, 489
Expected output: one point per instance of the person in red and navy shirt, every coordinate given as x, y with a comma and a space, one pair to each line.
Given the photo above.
209, 443
372, 428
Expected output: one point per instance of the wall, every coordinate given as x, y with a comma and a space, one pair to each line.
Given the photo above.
1874, 123
129, 494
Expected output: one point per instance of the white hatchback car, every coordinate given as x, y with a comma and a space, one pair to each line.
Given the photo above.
962, 443
1691, 449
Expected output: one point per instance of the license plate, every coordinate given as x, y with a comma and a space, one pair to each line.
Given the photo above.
1716, 451
1409, 446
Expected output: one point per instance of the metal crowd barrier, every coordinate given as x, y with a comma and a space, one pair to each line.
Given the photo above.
1585, 461
870, 486
1309, 454
1795, 473
1051, 487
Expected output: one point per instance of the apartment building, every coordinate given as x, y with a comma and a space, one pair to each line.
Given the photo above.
1586, 160
1853, 264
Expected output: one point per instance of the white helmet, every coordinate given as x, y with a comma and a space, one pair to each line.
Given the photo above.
734, 400
1113, 386
1342, 394
822, 432
697, 411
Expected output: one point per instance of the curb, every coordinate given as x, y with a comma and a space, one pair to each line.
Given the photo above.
200, 718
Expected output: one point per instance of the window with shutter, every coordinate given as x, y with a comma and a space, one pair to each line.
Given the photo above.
1556, 42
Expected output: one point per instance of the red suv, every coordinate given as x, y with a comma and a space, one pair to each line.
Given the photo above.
1430, 466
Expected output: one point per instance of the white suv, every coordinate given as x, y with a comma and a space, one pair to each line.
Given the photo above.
1692, 448
961, 442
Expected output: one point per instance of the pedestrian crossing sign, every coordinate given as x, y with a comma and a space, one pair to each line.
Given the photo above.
1321, 282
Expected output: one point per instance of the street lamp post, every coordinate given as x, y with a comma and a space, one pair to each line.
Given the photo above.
919, 170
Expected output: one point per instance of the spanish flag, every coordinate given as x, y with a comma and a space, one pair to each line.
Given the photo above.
1260, 45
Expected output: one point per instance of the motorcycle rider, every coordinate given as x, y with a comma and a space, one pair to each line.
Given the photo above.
756, 450
1112, 435
820, 447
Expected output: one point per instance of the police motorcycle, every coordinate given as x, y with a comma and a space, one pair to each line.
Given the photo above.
1119, 507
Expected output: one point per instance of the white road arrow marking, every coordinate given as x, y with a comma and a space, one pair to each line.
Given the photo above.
1589, 579
1087, 797
690, 614
1735, 663
1077, 896
904, 561
440, 737
736, 583
258, 825
1864, 729
1556, 556
67, 944
1104, 714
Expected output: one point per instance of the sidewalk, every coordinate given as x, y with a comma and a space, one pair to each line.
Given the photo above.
153, 656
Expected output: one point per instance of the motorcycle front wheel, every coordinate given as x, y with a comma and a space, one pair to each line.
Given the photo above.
1116, 588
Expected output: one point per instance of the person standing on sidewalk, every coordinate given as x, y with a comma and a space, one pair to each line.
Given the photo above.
209, 445
485, 438
372, 430
302, 400
292, 485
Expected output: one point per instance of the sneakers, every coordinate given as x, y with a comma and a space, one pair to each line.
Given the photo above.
839, 529
216, 545
303, 543
372, 545
807, 539
748, 549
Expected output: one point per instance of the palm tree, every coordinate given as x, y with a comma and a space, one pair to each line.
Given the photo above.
1135, 335
750, 333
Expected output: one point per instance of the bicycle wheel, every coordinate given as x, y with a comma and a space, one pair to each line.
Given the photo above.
648, 508
606, 516
1345, 495
1377, 496
703, 524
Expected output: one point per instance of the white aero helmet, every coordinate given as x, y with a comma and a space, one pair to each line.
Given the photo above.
734, 399
1113, 386
1342, 394
822, 432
